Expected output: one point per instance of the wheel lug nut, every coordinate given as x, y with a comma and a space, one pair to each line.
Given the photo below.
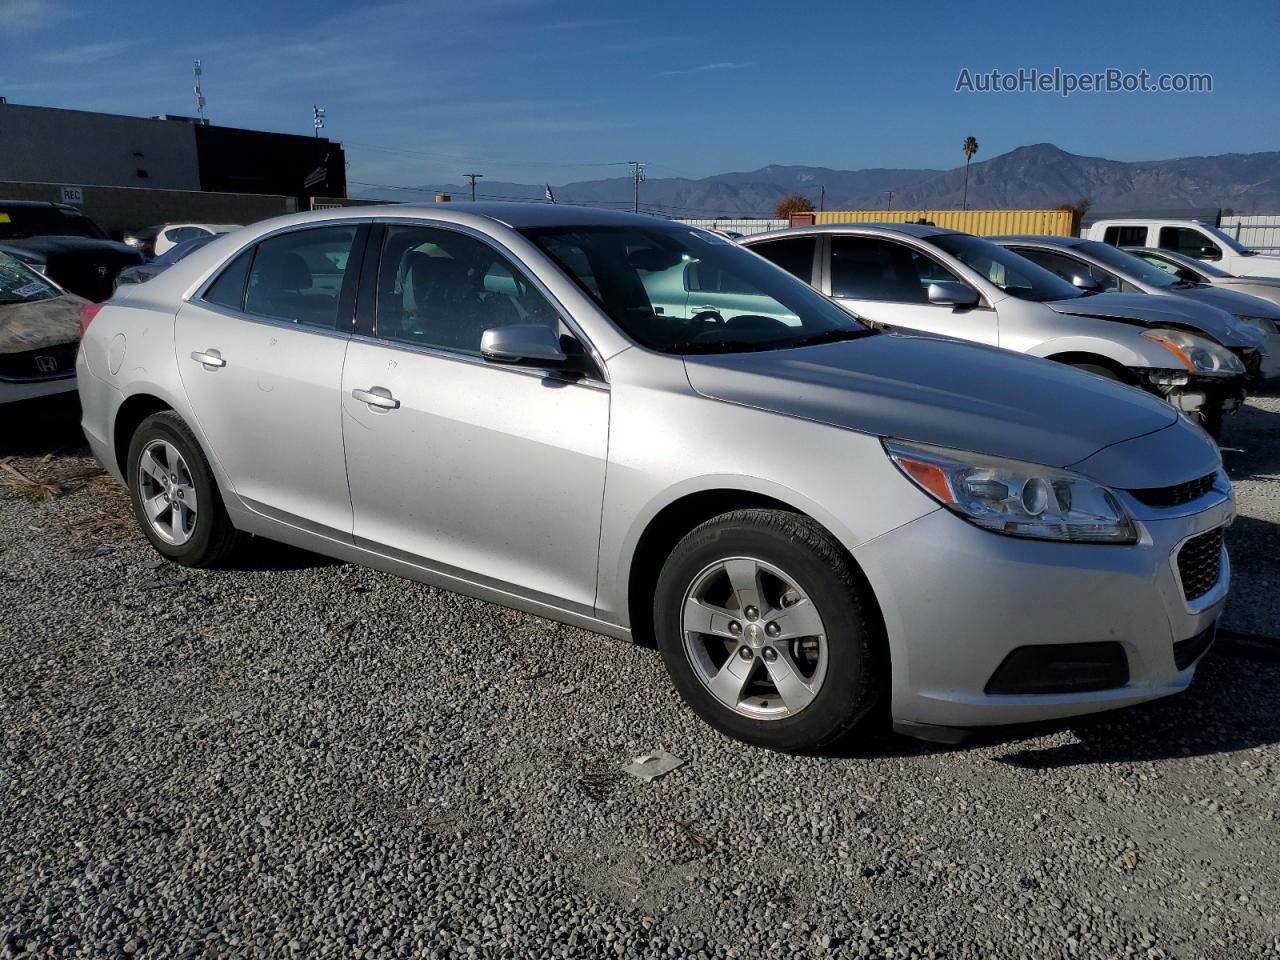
770, 654
772, 629
735, 627
751, 613
745, 653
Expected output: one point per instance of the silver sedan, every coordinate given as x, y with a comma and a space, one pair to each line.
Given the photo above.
529, 404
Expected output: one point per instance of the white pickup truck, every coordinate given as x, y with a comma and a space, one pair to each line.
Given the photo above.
1190, 237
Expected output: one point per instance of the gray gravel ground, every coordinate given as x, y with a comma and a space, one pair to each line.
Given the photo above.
299, 758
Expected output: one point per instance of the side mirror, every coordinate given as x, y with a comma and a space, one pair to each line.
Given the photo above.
948, 293
1210, 253
1187, 276
1083, 281
522, 343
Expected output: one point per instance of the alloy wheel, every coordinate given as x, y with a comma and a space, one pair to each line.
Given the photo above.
754, 638
167, 491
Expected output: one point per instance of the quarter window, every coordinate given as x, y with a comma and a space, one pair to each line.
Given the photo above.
298, 276
868, 268
792, 254
228, 289
441, 289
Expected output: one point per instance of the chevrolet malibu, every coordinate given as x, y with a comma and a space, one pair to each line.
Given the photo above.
805, 514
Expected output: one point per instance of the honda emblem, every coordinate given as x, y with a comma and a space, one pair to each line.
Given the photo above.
102, 273
46, 364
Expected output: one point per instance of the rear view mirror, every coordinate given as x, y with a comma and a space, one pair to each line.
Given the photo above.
949, 293
522, 343
1083, 281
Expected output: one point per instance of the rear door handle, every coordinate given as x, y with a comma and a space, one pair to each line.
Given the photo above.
209, 359
379, 397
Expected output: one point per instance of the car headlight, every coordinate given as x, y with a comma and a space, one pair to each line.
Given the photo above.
1265, 324
1200, 356
1015, 498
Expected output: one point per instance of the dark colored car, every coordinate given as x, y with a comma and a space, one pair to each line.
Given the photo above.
65, 245
145, 271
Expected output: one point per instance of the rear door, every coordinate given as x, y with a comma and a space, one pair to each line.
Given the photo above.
888, 282
260, 353
490, 473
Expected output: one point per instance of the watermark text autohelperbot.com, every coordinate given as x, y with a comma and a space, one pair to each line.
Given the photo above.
1065, 83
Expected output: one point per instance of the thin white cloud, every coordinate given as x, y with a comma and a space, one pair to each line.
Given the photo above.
706, 68
87, 52
19, 16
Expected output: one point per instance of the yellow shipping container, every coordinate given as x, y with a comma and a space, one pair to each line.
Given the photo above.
982, 223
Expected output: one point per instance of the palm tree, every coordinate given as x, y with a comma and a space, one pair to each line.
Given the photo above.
970, 148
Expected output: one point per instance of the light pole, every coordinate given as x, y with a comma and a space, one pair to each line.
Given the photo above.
317, 118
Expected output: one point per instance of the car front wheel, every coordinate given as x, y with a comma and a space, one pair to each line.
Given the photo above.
765, 632
175, 497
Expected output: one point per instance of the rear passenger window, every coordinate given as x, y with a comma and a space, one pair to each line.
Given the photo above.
228, 289
792, 254
1126, 236
441, 289
298, 276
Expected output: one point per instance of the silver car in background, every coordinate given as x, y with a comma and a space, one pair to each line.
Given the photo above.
518, 402
1101, 267
929, 279
1192, 270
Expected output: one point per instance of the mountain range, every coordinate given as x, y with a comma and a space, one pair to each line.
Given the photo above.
1037, 176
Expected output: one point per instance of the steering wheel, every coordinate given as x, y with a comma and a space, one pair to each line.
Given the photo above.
707, 316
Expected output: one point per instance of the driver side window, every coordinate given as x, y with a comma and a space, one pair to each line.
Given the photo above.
443, 290
870, 268
1191, 242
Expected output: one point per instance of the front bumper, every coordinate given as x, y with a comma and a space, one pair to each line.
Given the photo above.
958, 600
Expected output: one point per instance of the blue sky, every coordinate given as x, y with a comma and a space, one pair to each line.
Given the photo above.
553, 90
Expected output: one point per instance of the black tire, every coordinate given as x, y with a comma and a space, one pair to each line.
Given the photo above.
213, 539
810, 556
1099, 370
1210, 418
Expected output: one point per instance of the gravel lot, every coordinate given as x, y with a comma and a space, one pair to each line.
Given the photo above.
301, 758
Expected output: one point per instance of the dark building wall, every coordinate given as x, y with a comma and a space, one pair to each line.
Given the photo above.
250, 161
75, 147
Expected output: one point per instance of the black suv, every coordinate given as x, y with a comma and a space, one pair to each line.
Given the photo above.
65, 245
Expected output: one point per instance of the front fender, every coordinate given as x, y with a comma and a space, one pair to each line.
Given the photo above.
1129, 348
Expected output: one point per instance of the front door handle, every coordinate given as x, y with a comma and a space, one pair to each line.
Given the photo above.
379, 397
210, 359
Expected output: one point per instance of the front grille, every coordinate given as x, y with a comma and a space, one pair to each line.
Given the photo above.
1200, 563
1188, 651
1176, 495
47, 363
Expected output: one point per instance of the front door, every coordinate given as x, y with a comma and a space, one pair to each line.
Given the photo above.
261, 357
888, 282
491, 473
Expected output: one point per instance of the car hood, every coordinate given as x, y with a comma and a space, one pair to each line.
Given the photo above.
47, 245
960, 395
1154, 311
1233, 301
44, 323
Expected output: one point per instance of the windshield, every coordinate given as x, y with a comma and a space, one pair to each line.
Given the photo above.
1015, 275
1126, 263
1231, 242
679, 290
1171, 262
18, 222
20, 284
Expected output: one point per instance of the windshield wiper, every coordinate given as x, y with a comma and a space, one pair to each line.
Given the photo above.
830, 336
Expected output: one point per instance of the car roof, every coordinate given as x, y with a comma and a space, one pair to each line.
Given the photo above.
1042, 239
512, 214
871, 227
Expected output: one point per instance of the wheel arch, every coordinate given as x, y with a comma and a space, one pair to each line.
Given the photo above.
129, 417
1074, 357
677, 518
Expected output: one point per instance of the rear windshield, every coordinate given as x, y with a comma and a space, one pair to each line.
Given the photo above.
19, 222
20, 284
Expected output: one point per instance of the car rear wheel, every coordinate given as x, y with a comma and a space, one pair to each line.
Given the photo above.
764, 631
175, 497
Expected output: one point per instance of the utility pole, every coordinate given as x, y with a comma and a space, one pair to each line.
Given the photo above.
317, 118
473, 177
889, 205
199, 93
822, 198
637, 177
